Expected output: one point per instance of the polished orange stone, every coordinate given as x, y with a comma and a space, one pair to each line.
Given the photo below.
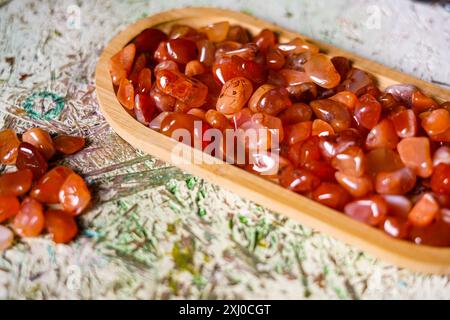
9, 146
121, 63
405, 123
415, 154
383, 135
68, 144
74, 195
47, 188
298, 180
333, 112
9, 207
29, 157
332, 195
298, 132
371, 210
321, 128
368, 111
356, 186
188, 90
60, 225
440, 180
322, 71
16, 183
234, 95
351, 161
125, 94
41, 140
29, 222
396, 182
424, 211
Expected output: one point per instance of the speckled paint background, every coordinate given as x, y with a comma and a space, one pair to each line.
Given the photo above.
155, 232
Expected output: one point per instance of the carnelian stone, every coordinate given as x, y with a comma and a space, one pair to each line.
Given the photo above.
217, 120
241, 117
298, 132
332, 145
74, 195
206, 50
163, 102
332, 195
383, 135
161, 54
29, 222
6, 238
298, 180
441, 155
346, 97
16, 183
322, 71
297, 46
9, 207
155, 124
144, 108
262, 132
388, 101
41, 140
269, 99
321, 169
216, 32
275, 59
125, 94
121, 63
357, 81
415, 154
398, 205
342, 66
436, 122
264, 39
47, 188
402, 93
382, 160
68, 144
440, 180
148, 40
396, 227
29, 157
297, 112
293, 78
321, 128
238, 34
60, 225
145, 81
9, 146
182, 50
351, 161
194, 126
396, 182
139, 64
199, 113
234, 95
424, 211
368, 112
422, 103
188, 90
435, 234
356, 186
405, 123
371, 210
181, 31
193, 68
227, 68
333, 112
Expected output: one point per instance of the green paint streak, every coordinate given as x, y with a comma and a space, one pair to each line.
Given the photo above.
50, 114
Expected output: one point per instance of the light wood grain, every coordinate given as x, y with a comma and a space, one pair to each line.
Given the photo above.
402, 253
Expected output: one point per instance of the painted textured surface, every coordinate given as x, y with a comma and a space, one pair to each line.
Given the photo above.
155, 232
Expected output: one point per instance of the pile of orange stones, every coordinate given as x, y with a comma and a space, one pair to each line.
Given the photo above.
380, 157
34, 198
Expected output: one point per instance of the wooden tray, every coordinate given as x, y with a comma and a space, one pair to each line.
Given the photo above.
402, 253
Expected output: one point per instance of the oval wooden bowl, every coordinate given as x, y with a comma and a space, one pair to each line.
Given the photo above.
402, 253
